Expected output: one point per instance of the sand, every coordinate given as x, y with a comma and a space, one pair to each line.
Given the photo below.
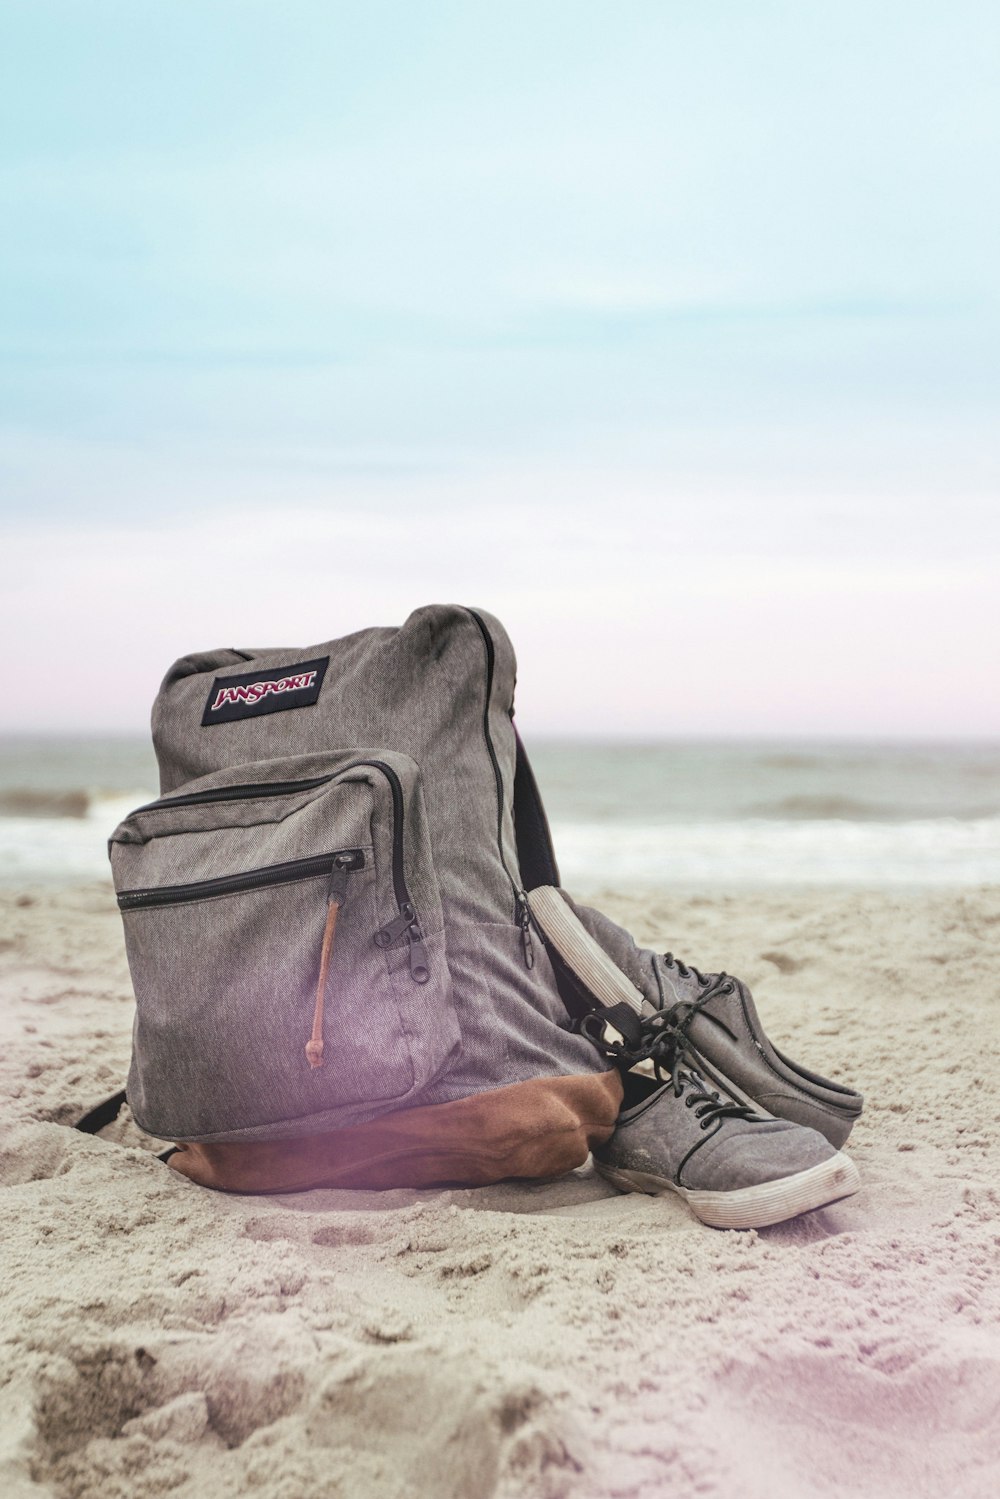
543, 1340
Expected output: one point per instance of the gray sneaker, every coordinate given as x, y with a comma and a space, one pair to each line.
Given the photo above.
734, 1167
717, 1015
714, 1012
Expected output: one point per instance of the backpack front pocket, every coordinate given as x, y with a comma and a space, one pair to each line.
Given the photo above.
286, 944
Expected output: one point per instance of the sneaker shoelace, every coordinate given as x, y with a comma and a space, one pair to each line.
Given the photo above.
679, 1017
682, 1012
708, 1105
665, 1044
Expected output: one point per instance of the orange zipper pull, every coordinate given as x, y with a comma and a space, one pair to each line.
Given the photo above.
337, 896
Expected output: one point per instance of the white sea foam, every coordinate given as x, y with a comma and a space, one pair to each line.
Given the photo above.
939, 851
63, 850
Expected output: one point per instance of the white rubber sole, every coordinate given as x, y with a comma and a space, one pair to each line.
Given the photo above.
752, 1207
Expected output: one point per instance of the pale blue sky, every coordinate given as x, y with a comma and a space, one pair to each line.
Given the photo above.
668, 331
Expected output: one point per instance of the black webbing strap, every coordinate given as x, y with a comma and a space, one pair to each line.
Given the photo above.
101, 1114
535, 854
106, 1113
625, 1020
614, 1029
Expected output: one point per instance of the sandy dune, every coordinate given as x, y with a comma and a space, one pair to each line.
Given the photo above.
542, 1340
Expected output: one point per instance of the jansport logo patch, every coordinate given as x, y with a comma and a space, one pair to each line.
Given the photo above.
255, 693
257, 690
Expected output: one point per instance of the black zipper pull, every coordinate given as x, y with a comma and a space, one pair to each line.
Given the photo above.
524, 922
342, 866
407, 922
419, 966
393, 930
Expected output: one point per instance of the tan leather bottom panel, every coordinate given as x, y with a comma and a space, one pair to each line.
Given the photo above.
543, 1127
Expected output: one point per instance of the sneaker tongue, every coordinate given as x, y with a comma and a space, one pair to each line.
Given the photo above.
678, 989
693, 1078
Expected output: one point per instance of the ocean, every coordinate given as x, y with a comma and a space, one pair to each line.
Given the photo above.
699, 816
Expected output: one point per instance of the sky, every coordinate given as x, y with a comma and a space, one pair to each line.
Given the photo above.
666, 332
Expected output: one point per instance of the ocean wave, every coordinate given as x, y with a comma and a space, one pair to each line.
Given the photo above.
74, 802
834, 808
79, 803
789, 761
21, 801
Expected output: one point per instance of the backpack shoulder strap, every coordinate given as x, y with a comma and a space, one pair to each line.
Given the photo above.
104, 1113
535, 853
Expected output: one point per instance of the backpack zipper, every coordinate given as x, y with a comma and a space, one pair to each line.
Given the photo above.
522, 911
236, 793
419, 970
287, 873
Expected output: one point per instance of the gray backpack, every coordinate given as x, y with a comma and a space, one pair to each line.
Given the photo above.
325, 912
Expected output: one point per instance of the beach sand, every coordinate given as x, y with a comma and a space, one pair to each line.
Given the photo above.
523, 1340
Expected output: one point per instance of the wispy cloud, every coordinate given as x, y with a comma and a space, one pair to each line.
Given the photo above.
680, 316
620, 630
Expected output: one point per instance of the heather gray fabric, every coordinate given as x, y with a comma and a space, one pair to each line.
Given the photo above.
225, 985
419, 689
512, 1019
225, 982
